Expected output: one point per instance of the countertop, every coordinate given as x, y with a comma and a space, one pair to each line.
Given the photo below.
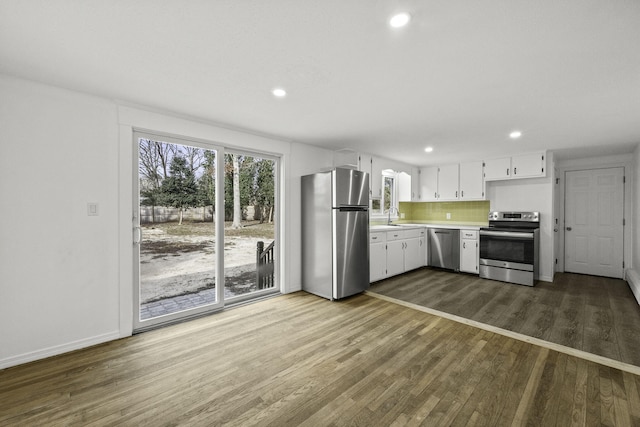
449, 224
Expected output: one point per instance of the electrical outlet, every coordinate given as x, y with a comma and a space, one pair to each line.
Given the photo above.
448, 215
401, 215
92, 209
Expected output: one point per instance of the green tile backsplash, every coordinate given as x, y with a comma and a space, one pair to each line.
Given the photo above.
461, 212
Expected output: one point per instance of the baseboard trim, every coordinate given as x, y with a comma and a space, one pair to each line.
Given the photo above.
633, 279
58, 349
510, 334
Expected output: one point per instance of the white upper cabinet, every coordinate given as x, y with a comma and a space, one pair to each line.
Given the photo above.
375, 180
429, 184
404, 187
345, 158
528, 165
497, 168
448, 182
415, 184
364, 165
471, 182
519, 166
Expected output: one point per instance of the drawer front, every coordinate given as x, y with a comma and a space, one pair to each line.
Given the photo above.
414, 232
469, 234
395, 235
377, 237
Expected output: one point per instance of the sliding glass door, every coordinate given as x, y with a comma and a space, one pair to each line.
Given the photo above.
176, 233
205, 227
250, 227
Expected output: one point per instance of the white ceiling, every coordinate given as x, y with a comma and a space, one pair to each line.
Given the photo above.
460, 77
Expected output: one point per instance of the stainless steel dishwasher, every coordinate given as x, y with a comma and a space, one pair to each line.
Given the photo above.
444, 248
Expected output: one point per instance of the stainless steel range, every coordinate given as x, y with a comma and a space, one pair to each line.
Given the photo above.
509, 247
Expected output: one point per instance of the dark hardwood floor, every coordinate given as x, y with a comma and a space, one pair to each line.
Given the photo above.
300, 360
594, 314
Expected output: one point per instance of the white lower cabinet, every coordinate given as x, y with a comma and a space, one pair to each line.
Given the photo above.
395, 257
377, 256
412, 258
396, 252
469, 251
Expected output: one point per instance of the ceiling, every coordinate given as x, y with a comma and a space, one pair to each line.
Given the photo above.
460, 77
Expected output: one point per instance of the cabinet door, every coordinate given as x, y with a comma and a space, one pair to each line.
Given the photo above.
469, 256
412, 254
495, 169
404, 186
471, 182
395, 257
376, 178
377, 261
364, 165
429, 184
415, 184
448, 182
528, 165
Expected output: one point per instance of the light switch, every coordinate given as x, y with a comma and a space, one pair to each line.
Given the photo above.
448, 215
92, 209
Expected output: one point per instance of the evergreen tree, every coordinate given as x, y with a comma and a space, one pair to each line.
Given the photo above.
264, 189
179, 189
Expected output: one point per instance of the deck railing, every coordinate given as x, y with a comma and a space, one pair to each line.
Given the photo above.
264, 264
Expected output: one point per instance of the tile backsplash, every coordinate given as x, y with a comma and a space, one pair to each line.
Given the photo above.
465, 212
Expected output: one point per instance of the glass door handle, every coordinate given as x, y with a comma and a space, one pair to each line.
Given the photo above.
137, 233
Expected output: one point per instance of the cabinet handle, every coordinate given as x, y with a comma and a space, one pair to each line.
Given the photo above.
435, 195
515, 171
462, 193
507, 171
464, 245
456, 194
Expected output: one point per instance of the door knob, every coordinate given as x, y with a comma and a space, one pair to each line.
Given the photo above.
568, 229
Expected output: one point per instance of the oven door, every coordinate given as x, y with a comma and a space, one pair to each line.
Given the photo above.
508, 249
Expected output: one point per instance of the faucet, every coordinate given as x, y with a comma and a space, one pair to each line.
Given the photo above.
389, 212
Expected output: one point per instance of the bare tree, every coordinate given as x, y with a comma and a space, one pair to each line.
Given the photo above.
149, 163
165, 153
194, 157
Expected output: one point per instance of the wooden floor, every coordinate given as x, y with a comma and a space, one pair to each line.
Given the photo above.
593, 314
302, 360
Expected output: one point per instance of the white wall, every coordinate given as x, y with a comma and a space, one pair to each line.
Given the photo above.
633, 273
58, 266
534, 194
308, 160
635, 224
66, 279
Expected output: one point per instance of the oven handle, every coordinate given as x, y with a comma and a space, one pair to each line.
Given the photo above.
507, 234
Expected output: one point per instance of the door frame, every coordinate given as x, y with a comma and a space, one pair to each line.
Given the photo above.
596, 163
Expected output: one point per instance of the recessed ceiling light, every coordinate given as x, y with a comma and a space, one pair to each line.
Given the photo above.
428, 149
515, 134
399, 20
279, 92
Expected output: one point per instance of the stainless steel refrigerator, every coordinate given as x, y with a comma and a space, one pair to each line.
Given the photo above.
335, 233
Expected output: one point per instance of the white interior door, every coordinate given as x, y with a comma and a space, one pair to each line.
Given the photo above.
594, 206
